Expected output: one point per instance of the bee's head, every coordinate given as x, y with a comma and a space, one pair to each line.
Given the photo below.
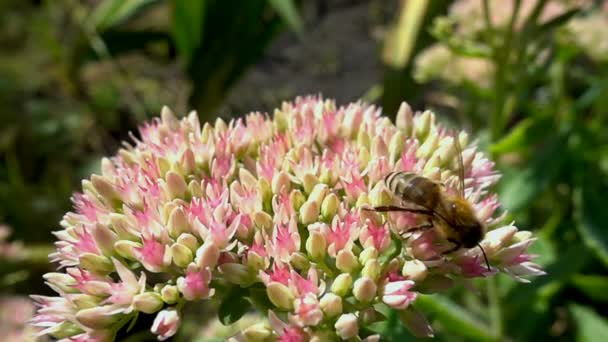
472, 234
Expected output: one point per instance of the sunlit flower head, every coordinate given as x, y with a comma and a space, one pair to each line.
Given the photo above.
269, 209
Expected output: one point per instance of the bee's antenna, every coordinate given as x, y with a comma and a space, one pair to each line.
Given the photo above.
485, 257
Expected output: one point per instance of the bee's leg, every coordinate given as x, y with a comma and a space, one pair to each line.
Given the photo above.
421, 227
457, 245
388, 208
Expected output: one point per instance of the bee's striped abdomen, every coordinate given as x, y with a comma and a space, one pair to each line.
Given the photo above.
411, 187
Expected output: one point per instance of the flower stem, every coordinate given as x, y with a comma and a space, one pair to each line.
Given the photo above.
495, 308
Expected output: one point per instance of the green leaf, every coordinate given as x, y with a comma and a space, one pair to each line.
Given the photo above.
234, 306
592, 220
522, 135
590, 326
453, 317
114, 12
519, 189
594, 286
288, 11
187, 26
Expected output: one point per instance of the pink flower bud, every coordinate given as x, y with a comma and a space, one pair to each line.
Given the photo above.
396, 294
195, 284
166, 323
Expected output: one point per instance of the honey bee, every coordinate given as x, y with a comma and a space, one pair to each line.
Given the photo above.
451, 215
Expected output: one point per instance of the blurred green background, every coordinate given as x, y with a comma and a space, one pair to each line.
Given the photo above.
528, 78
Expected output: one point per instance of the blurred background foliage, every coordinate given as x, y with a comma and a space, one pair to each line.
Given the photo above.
529, 79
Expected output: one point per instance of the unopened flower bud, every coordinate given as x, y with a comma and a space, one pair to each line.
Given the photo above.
367, 254
329, 207
424, 124
372, 269
84, 301
414, 269
257, 332
280, 182
189, 241
318, 193
362, 200
176, 185
331, 304
522, 236
195, 189
369, 316
309, 181
396, 294
188, 162
396, 146
364, 155
236, 273
309, 212
280, 295
147, 302
122, 227
263, 220
169, 294
95, 263
297, 199
316, 245
280, 120
127, 249
255, 261
182, 255
379, 195
62, 281
105, 238
379, 148
342, 284
346, 261
99, 317
363, 139
166, 324
178, 222
265, 191
168, 119
207, 255
364, 289
428, 147
497, 238
105, 189
299, 261
405, 118
347, 326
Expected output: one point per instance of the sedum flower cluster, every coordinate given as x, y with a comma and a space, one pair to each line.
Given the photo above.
270, 209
